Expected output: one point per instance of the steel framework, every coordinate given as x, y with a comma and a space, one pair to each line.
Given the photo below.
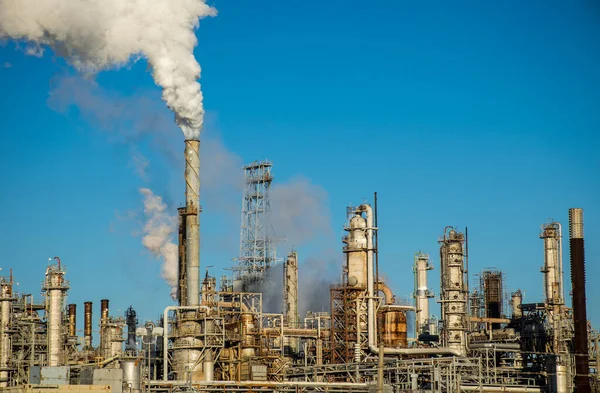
257, 241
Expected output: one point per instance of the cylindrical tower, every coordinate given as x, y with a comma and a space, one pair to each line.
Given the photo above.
104, 310
582, 368
290, 294
516, 300
132, 321
87, 325
55, 288
453, 296
422, 293
192, 220
72, 313
290, 289
552, 269
356, 251
6, 298
104, 331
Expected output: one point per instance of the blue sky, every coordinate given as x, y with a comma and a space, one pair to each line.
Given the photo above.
478, 114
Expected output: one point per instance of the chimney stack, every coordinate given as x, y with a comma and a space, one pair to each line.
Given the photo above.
192, 220
72, 320
87, 324
582, 367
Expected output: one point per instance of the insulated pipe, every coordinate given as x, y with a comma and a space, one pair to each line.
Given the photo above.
192, 220
87, 324
417, 351
72, 320
387, 292
501, 346
582, 367
208, 366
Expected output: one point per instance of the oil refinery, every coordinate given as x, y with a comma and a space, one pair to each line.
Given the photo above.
219, 338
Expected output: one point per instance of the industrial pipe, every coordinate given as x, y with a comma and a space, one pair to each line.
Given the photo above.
387, 292
582, 367
501, 346
499, 389
87, 324
192, 220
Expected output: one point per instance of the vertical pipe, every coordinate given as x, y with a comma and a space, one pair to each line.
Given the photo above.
582, 381
87, 324
466, 278
376, 240
380, 369
371, 326
72, 320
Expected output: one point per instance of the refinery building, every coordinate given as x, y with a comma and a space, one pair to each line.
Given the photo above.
219, 338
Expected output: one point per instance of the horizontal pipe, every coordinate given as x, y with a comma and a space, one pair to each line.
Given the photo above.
298, 332
266, 384
416, 351
500, 389
507, 346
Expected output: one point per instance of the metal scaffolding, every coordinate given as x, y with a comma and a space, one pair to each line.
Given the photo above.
257, 240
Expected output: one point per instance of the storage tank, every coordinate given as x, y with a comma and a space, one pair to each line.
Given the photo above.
392, 327
131, 373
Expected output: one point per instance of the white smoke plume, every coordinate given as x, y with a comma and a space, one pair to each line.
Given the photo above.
94, 35
158, 229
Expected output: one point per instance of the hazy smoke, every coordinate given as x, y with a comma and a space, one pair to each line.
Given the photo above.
94, 35
299, 211
158, 229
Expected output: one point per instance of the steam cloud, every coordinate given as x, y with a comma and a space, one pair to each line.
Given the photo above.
94, 35
157, 236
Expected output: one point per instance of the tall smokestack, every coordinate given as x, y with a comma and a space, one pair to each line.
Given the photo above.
87, 324
192, 220
72, 320
582, 367
103, 310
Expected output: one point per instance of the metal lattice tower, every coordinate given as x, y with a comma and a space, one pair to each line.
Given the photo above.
257, 240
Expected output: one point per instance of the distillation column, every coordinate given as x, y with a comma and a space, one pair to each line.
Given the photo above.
558, 365
453, 294
290, 295
422, 294
356, 266
55, 287
6, 298
553, 275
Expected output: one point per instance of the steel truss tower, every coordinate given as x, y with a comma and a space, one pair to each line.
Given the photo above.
257, 240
